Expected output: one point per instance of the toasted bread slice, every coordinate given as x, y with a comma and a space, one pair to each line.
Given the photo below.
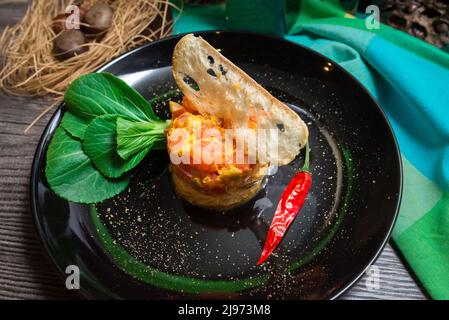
222, 89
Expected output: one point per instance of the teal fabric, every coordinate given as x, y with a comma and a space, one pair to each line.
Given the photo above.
414, 95
198, 18
271, 13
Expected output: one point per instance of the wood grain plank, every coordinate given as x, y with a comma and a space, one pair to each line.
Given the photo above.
395, 281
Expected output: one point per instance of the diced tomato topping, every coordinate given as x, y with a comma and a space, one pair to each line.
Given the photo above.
188, 105
212, 173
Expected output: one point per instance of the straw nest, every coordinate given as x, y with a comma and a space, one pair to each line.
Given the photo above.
29, 67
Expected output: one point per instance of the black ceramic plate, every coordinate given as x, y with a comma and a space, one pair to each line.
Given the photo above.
148, 243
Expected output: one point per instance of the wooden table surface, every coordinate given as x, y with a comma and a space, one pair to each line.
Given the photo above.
25, 272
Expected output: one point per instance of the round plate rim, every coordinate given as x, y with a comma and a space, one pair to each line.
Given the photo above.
55, 119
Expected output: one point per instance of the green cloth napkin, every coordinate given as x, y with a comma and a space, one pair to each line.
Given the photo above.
409, 79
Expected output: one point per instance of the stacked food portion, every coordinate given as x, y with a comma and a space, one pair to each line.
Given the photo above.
224, 112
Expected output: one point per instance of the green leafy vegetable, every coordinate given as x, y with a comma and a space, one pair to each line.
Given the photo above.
74, 125
72, 176
133, 137
108, 129
100, 144
98, 94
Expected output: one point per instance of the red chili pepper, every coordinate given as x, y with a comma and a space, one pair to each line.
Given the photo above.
292, 200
